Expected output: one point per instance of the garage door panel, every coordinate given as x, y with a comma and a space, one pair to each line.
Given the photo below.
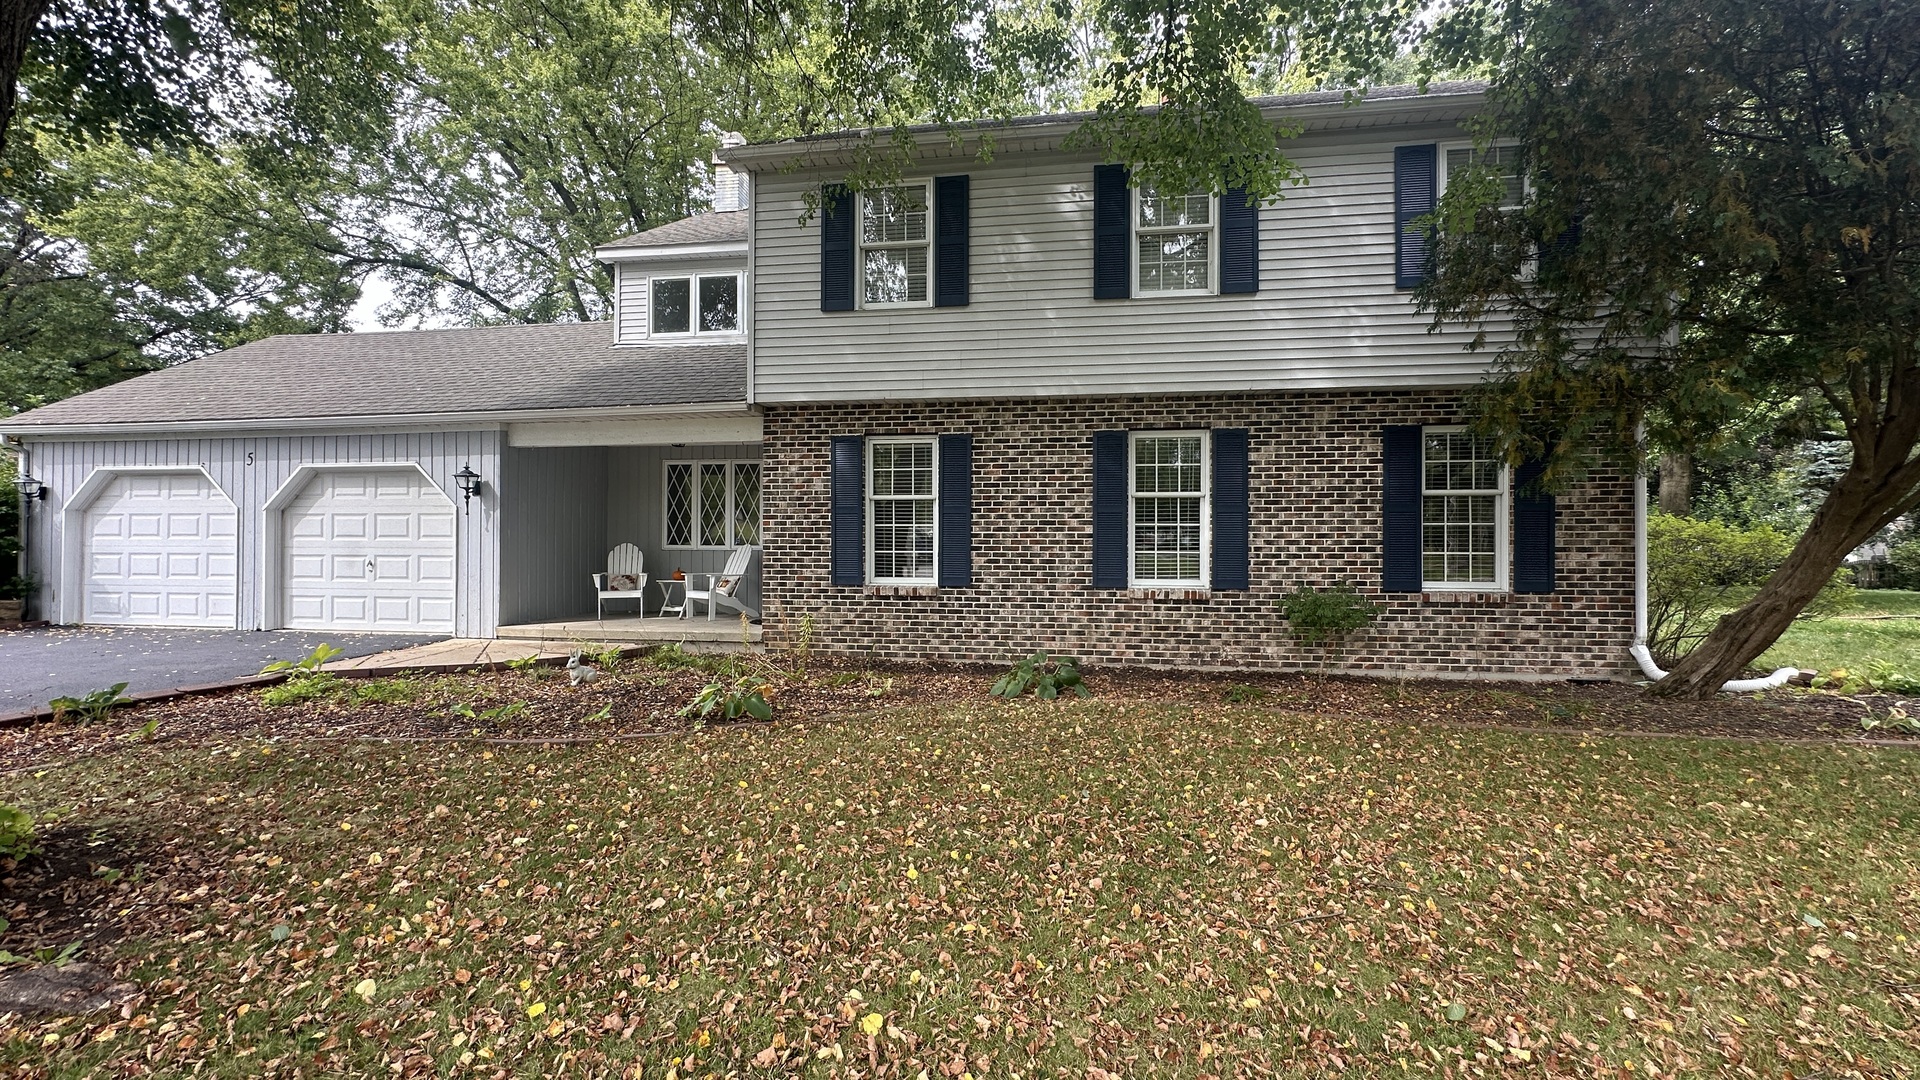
160, 552
374, 549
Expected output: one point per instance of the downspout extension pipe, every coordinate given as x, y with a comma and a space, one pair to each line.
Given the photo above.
1641, 655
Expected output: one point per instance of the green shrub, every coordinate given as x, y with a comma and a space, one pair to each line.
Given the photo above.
1699, 570
90, 709
16, 833
1902, 568
745, 696
1045, 675
1327, 617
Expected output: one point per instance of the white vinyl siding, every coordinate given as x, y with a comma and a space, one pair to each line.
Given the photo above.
630, 304
1327, 314
1167, 508
1463, 511
902, 503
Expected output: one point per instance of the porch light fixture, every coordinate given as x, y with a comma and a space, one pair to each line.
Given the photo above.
469, 482
30, 489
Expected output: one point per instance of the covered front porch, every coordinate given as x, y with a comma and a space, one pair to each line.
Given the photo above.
677, 498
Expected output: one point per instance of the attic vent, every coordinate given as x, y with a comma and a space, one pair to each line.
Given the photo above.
729, 187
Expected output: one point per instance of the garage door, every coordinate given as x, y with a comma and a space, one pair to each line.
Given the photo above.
367, 550
160, 552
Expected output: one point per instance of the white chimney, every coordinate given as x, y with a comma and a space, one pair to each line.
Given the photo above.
729, 187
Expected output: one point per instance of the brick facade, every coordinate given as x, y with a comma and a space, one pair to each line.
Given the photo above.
1315, 480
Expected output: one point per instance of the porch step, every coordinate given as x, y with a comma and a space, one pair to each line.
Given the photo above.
697, 635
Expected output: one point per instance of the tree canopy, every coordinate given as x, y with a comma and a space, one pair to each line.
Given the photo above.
1723, 218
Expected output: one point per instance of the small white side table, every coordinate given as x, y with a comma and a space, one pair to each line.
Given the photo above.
667, 605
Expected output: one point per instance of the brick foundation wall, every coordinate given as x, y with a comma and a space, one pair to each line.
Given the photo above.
1315, 484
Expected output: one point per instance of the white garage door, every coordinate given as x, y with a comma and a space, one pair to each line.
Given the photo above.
160, 552
367, 550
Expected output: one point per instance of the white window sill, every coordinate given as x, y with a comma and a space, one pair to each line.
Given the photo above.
923, 588
1171, 294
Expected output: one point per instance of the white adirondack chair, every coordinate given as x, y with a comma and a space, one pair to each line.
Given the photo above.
723, 589
625, 560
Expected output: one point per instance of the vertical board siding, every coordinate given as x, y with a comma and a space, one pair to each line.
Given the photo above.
1327, 313
635, 497
251, 469
553, 531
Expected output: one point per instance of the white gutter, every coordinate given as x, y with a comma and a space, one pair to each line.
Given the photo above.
643, 253
1641, 654
276, 424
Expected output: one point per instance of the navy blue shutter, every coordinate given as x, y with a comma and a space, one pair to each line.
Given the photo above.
836, 249
849, 502
1230, 508
1109, 509
1415, 192
1561, 246
1112, 234
1533, 514
956, 512
950, 212
1400, 521
1239, 243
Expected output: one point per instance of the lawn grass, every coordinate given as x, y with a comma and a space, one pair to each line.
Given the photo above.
1031, 890
1857, 640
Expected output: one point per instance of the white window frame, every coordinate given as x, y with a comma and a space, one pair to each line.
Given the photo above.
1135, 231
1502, 523
861, 247
1134, 580
1441, 171
692, 278
694, 508
870, 498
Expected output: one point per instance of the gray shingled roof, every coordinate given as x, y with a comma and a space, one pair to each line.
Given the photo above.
411, 373
715, 228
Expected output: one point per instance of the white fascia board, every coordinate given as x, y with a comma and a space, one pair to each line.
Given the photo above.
651, 431
963, 139
452, 421
660, 252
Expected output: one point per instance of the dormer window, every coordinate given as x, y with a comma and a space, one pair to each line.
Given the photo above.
895, 232
695, 304
1173, 243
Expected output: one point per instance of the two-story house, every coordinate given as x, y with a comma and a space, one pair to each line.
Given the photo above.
1012, 402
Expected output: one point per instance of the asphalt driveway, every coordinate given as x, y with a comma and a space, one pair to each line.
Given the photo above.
37, 666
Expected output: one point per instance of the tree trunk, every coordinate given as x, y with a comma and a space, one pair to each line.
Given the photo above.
1676, 484
1851, 513
18, 18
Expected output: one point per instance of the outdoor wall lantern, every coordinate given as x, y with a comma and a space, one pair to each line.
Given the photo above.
30, 489
469, 482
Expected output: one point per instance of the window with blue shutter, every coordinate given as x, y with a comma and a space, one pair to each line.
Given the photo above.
1112, 234
1533, 531
848, 503
955, 548
836, 249
950, 241
1239, 242
1109, 509
1415, 192
1400, 516
1230, 508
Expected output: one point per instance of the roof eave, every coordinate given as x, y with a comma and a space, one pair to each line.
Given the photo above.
478, 418
717, 249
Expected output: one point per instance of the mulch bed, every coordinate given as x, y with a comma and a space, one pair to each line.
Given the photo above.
639, 699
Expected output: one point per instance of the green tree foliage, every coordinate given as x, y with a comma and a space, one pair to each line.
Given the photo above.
1747, 181
1699, 570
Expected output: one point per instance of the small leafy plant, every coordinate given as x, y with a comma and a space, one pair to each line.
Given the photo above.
90, 709
1045, 675
16, 833
1327, 618
1242, 694
497, 713
745, 696
397, 690
312, 687
525, 663
321, 655
1893, 719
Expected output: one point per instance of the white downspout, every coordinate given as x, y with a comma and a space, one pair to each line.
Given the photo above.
1641, 654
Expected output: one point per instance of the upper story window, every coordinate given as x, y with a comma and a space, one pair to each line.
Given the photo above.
895, 232
1463, 511
1173, 242
902, 492
1503, 160
1168, 492
695, 304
